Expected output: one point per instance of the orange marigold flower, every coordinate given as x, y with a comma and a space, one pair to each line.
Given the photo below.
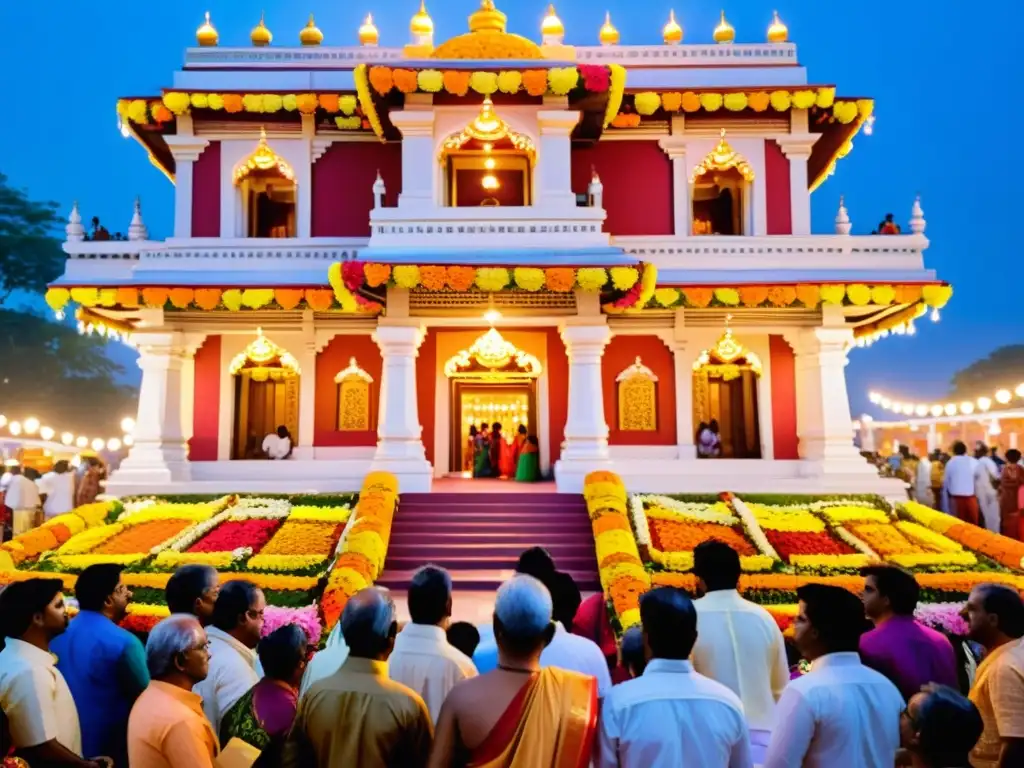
127, 297
460, 278
207, 298
782, 295
432, 278
671, 102
376, 274
288, 298
610, 523
233, 102
808, 295
698, 297
753, 295
155, 297
758, 101
619, 558
405, 80
457, 82
306, 103
330, 102
690, 102
320, 299
180, 297
560, 279
535, 82
382, 79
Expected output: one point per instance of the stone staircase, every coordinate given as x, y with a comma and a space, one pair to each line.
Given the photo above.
478, 537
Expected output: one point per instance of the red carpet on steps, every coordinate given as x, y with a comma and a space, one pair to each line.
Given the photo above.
478, 537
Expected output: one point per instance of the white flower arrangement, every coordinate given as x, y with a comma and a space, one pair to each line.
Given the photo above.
750, 525
636, 511
131, 507
693, 512
192, 534
277, 505
818, 506
855, 542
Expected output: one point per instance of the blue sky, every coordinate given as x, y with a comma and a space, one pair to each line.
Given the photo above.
944, 93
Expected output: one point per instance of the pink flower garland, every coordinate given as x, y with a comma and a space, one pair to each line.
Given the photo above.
596, 79
944, 617
307, 618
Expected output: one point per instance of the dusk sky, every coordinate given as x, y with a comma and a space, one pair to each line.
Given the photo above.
943, 86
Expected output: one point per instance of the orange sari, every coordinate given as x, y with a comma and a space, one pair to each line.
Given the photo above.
550, 722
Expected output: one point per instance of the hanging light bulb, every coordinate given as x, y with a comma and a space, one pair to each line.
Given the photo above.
82, 442
46, 433
67, 438
1003, 396
31, 425
490, 182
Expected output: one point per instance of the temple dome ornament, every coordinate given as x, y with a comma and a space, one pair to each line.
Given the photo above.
260, 35
777, 31
724, 32
723, 158
608, 35
368, 34
206, 35
727, 358
264, 359
421, 24
487, 39
352, 371
552, 25
263, 158
492, 358
311, 34
488, 127
672, 33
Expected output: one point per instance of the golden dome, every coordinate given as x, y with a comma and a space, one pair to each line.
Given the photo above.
777, 32
311, 34
421, 23
368, 34
724, 32
672, 32
260, 34
608, 35
552, 25
488, 39
487, 18
207, 35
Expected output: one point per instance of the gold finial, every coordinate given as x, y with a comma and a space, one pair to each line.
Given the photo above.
487, 18
608, 35
261, 36
207, 35
672, 32
311, 34
552, 25
724, 32
722, 158
368, 34
777, 32
421, 24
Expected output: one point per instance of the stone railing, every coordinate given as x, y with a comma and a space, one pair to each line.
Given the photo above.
739, 54
321, 57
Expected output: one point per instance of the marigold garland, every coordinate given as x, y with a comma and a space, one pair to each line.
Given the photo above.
381, 79
484, 83
366, 104
535, 82
405, 80
698, 297
591, 279
529, 278
460, 278
430, 80
561, 279
510, 81
456, 82
616, 92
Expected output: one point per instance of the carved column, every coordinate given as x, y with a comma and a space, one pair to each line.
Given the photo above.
307, 388
554, 166
586, 432
418, 161
185, 150
682, 212
797, 148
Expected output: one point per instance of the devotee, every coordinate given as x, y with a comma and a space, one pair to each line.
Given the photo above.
959, 484
467, 455
234, 634
278, 445
672, 716
923, 481
634, 655
709, 443
592, 622
22, 496
519, 714
57, 489
841, 713
528, 464
995, 618
566, 649
497, 439
326, 661
167, 727
423, 659
359, 716
1011, 495
986, 479
938, 476
888, 226
908, 653
42, 720
89, 482
939, 728
104, 665
264, 715
465, 637
740, 645
193, 589
482, 453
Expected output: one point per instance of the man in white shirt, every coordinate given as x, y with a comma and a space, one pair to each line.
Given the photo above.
234, 668
959, 484
739, 644
278, 445
841, 713
41, 716
422, 659
568, 650
672, 716
986, 476
23, 498
58, 490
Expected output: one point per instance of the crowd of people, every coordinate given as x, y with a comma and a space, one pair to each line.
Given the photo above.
30, 497
490, 453
706, 682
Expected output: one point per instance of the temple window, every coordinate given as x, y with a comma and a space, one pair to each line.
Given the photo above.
354, 407
266, 185
266, 395
636, 391
721, 192
488, 164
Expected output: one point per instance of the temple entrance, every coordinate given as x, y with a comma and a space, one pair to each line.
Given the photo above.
720, 193
725, 383
266, 396
266, 184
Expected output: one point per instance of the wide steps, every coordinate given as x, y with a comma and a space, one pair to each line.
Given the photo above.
484, 580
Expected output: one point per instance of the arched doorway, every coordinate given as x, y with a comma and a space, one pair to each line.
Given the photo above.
267, 190
725, 384
266, 395
720, 193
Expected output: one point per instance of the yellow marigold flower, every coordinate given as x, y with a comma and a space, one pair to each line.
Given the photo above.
735, 102
215, 101
780, 100
728, 296
484, 83
711, 102
624, 278
804, 99
406, 276
491, 279
529, 278
647, 103
591, 279
561, 80
666, 297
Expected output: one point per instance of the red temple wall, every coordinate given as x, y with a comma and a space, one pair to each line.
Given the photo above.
776, 170
335, 357
621, 353
426, 389
783, 372
637, 179
342, 186
558, 393
206, 402
206, 192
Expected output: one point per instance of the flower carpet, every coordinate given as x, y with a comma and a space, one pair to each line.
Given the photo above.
646, 541
309, 554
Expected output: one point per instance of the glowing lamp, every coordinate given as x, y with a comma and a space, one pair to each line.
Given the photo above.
128, 441
98, 443
885, 402
936, 410
984, 403
921, 410
67, 438
1003, 396
967, 407
46, 433
14, 428
113, 444
31, 425
3, 420
82, 442
127, 425
1019, 391
875, 398
950, 409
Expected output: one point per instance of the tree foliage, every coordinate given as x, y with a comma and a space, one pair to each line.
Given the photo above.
1003, 369
30, 255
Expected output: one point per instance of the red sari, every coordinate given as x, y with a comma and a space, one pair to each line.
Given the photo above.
1010, 483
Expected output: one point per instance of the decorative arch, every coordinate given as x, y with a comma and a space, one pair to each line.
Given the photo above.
263, 160
354, 406
263, 359
636, 387
727, 358
492, 358
266, 395
723, 158
720, 194
268, 192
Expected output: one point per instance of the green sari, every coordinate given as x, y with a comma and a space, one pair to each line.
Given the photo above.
262, 718
482, 457
528, 467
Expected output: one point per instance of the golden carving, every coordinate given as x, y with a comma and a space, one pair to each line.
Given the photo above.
264, 360
353, 398
489, 128
490, 357
727, 358
722, 158
263, 159
637, 395
700, 397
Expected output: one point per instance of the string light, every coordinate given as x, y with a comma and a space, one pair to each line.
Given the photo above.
127, 425
32, 427
967, 407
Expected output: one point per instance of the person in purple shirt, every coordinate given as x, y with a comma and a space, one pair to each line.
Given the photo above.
910, 654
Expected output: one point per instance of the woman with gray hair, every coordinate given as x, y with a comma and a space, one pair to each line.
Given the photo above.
167, 726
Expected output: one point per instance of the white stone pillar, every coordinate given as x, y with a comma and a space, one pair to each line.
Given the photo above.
399, 433
797, 148
185, 150
419, 164
683, 359
682, 211
306, 355
586, 432
159, 455
553, 187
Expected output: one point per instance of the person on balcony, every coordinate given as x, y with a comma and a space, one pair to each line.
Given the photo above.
888, 226
278, 446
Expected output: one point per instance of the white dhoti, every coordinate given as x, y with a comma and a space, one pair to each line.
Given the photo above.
24, 520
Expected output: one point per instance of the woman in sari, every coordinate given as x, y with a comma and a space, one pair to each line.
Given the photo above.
264, 715
469, 450
497, 439
1011, 483
482, 453
528, 466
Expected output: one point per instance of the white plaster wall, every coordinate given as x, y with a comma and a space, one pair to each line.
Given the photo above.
752, 148
294, 149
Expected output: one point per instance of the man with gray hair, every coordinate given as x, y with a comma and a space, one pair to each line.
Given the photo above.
519, 713
167, 725
358, 715
423, 659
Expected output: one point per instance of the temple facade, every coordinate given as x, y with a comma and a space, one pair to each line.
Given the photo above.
609, 245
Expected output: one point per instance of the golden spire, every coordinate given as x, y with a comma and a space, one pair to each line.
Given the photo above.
777, 32
487, 18
722, 158
260, 34
311, 34
608, 35
672, 32
368, 34
263, 159
552, 25
207, 35
421, 23
724, 32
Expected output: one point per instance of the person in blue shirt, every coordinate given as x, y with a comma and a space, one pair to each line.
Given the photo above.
104, 665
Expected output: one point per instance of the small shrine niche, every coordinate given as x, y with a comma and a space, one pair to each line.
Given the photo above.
720, 192
354, 394
636, 389
266, 183
266, 395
